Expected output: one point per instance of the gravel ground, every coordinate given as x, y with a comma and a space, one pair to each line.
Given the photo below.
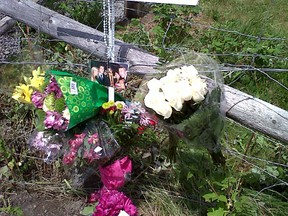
9, 43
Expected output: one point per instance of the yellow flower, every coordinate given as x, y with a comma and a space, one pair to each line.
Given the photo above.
38, 78
107, 105
22, 93
119, 105
37, 82
38, 72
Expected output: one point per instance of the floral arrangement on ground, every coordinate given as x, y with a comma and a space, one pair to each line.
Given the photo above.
78, 124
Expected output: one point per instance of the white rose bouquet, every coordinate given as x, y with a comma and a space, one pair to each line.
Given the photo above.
186, 98
173, 91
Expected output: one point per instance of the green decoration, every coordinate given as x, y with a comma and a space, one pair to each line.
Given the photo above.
83, 97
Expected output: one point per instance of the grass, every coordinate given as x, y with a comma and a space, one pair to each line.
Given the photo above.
252, 17
254, 163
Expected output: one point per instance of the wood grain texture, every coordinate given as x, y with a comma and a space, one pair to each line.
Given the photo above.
243, 108
6, 24
72, 32
256, 114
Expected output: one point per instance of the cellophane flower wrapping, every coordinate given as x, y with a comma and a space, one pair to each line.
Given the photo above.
49, 144
186, 97
91, 143
78, 100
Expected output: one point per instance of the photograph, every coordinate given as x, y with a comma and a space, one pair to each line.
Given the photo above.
112, 75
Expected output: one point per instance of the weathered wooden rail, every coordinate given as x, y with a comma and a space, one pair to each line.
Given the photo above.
243, 108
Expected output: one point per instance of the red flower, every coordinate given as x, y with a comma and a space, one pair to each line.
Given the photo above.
141, 129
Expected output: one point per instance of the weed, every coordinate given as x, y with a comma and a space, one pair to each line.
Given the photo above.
9, 209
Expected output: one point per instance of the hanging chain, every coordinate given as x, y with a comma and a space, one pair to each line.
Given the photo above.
109, 28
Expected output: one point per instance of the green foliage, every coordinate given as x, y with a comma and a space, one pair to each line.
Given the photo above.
225, 194
7, 161
163, 38
89, 210
9, 209
86, 12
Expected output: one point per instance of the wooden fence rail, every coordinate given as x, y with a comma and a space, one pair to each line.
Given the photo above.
243, 108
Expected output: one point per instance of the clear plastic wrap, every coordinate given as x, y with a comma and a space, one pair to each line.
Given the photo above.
197, 120
48, 143
94, 143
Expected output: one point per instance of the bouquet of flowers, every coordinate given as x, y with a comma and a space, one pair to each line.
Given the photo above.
95, 143
128, 120
48, 143
186, 97
62, 100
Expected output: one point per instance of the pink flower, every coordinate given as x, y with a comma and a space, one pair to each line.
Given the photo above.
53, 87
111, 202
90, 155
69, 158
94, 139
113, 176
37, 99
77, 141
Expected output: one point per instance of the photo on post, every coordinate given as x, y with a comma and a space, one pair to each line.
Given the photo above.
112, 75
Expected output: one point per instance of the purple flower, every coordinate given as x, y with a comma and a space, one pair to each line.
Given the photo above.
111, 202
53, 87
38, 141
54, 120
37, 99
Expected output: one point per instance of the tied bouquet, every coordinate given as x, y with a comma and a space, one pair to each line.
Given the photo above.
186, 96
94, 144
46, 96
61, 99
179, 90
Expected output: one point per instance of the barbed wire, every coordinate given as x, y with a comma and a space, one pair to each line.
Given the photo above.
256, 166
271, 140
224, 67
234, 31
256, 158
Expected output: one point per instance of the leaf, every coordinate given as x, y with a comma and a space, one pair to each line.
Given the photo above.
210, 197
17, 211
88, 210
40, 120
60, 104
222, 198
217, 212
189, 175
4, 171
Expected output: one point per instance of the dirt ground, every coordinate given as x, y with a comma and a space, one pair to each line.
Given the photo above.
33, 204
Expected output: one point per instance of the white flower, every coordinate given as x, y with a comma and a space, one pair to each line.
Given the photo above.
123, 213
189, 71
156, 101
154, 84
171, 93
174, 74
179, 85
164, 109
152, 98
167, 80
185, 90
199, 89
66, 113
